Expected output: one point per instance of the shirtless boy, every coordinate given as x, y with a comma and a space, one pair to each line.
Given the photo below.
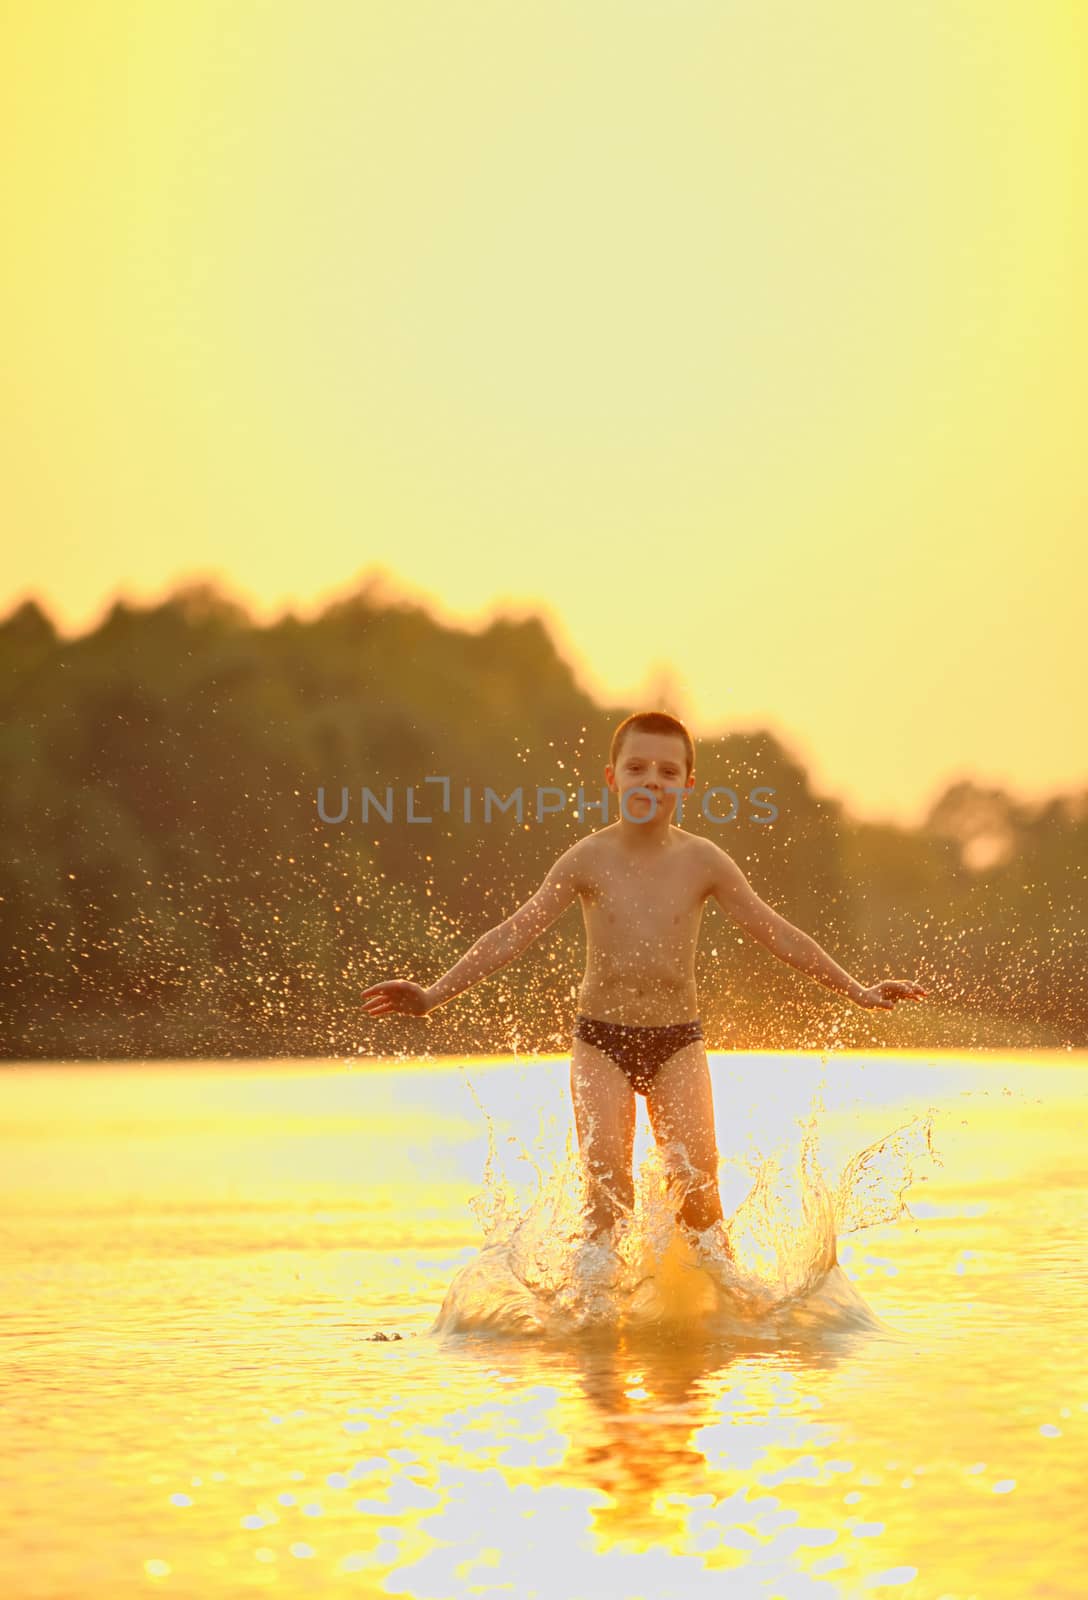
642, 883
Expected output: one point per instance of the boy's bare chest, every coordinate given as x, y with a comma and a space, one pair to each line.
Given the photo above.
638, 897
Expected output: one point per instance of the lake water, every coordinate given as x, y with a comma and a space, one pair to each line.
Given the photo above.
196, 1259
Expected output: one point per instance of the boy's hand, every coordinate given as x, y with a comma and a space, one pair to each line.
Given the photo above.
396, 997
886, 995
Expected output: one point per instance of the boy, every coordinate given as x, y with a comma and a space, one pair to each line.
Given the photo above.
642, 883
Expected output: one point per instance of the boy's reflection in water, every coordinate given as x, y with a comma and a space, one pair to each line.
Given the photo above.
631, 1416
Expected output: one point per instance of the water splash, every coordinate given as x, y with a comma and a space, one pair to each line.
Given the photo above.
770, 1271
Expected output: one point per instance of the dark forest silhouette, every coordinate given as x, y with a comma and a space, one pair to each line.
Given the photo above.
169, 889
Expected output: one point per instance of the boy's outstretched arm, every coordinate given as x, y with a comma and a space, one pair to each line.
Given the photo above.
491, 951
735, 894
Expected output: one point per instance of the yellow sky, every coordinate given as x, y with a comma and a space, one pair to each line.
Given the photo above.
748, 338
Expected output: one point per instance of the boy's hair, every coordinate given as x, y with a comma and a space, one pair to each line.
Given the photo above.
652, 722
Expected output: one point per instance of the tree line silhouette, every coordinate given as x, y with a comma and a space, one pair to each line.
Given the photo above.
169, 888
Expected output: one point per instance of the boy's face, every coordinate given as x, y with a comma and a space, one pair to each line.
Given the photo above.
654, 761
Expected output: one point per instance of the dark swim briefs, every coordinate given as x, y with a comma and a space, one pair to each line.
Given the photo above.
640, 1053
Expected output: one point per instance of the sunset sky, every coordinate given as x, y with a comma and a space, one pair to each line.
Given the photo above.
744, 338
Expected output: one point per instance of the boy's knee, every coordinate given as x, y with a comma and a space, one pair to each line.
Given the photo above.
610, 1180
679, 1167
701, 1205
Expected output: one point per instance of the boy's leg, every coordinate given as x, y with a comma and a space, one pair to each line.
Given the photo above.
604, 1115
681, 1107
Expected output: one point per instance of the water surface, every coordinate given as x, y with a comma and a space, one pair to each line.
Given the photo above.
196, 1259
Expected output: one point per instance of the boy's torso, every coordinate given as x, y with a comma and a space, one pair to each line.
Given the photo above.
642, 910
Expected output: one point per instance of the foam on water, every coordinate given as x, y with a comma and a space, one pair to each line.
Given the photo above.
770, 1272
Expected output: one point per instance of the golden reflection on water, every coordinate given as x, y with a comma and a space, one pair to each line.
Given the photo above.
196, 1259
